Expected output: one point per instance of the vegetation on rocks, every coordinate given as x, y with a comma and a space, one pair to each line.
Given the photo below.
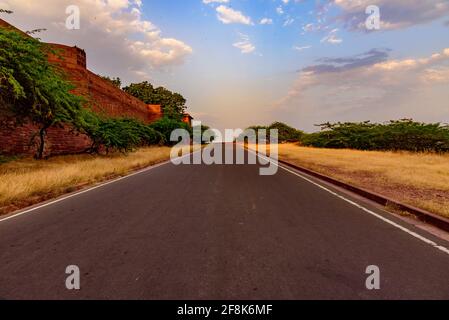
31, 88
35, 91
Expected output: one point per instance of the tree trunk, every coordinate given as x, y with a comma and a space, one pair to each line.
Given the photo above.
42, 134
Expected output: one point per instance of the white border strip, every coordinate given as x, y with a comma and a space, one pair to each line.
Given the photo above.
84, 191
394, 224
93, 188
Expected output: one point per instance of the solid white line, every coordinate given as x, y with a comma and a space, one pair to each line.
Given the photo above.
92, 188
414, 234
83, 191
394, 224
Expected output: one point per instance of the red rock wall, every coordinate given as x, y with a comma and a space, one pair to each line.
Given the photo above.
106, 99
23, 140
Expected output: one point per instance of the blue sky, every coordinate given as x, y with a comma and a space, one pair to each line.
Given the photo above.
311, 61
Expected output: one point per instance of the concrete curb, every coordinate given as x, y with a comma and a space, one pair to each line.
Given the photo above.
421, 214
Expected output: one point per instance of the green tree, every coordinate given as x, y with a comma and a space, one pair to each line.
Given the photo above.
142, 91
166, 126
31, 89
404, 134
173, 104
285, 132
117, 134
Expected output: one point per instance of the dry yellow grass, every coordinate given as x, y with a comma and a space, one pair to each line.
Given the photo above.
28, 181
418, 179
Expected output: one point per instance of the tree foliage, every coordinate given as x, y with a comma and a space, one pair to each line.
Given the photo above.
31, 88
117, 134
173, 104
404, 134
166, 126
286, 133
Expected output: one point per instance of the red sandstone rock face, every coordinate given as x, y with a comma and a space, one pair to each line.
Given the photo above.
22, 141
105, 98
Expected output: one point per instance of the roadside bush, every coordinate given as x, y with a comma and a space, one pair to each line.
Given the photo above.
165, 126
395, 135
285, 132
118, 134
31, 89
34, 90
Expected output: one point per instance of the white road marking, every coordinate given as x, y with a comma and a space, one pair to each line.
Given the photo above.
92, 188
414, 234
83, 191
394, 224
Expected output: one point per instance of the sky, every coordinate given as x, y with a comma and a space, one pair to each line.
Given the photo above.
247, 62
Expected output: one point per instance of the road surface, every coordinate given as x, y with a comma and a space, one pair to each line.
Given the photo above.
216, 232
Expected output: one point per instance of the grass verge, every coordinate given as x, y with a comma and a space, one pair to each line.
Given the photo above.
417, 179
26, 181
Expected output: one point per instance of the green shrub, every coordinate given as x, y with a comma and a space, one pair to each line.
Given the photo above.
33, 90
117, 134
395, 135
165, 126
285, 132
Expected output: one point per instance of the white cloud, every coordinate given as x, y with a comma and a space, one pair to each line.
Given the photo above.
266, 21
215, 1
288, 22
308, 27
370, 86
285, 1
279, 10
244, 44
332, 37
314, 27
394, 14
228, 16
297, 48
108, 33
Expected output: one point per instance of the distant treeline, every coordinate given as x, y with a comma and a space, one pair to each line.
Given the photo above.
395, 135
403, 134
285, 132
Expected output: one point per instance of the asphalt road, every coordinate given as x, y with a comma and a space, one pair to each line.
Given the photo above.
215, 232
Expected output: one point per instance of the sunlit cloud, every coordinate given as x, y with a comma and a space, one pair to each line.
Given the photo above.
108, 28
394, 14
332, 37
288, 22
244, 44
228, 15
266, 21
215, 1
370, 85
297, 48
